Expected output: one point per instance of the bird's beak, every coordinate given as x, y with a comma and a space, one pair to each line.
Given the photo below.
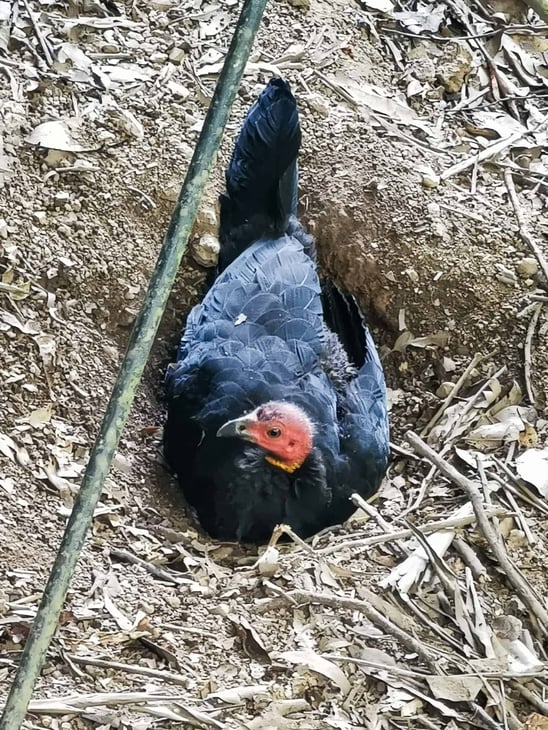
237, 428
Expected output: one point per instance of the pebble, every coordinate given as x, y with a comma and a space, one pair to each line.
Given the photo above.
205, 251
3, 228
178, 89
173, 601
444, 390
429, 178
158, 57
207, 220
40, 216
62, 197
527, 267
177, 55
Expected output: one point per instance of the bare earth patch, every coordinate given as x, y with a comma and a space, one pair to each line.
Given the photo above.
423, 610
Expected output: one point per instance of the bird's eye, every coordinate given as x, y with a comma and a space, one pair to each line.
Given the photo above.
274, 433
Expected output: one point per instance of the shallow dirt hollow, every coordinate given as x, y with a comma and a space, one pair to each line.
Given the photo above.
80, 231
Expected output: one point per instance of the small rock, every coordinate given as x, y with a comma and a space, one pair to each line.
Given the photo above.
40, 216
305, 4
3, 228
62, 197
412, 274
173, 601
505, 275
507, 627
177, 55
205, 251
527, 267
421, 65
439, 229
206, 220
318, 104
434, 210
444, 390
178, 89
429, 178
170, 190
455, 66
158, 57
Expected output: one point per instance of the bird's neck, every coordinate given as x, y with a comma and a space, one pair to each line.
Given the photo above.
286, 466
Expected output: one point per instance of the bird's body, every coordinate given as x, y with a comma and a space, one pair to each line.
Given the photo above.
269, 420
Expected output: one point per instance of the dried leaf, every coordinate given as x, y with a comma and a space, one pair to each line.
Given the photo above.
28, 328
251, 642
58, 135
425, 18
316, 663
236, 695
47, 347
532, 466
455, 689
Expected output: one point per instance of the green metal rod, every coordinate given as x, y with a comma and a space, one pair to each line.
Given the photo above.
131, 370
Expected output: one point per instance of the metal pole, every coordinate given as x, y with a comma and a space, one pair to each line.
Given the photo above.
131, 370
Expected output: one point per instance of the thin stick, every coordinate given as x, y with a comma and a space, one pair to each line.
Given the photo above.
128, 557
41, 40
468, 555
528, 353
471, 403
399, 534
470, 488
130, 669
531, 539
376, 618
531, 697
522, 225
485, 154
452, 395
372, 512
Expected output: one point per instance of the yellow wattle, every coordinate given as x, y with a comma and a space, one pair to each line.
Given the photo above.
288, 467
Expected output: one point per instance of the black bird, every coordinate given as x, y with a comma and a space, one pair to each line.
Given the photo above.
277, 401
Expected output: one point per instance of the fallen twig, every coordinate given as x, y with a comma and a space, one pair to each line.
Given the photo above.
39, 35
372, 512
154, 570
468, 555
76, 703
528, 353
485, 154
399, 534
452, 395
470, 488
376, 618
129, 668
522, 225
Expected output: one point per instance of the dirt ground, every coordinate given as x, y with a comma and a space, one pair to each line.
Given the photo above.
194, 632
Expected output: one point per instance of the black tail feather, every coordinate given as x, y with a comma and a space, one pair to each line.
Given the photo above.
343, 316
261, 180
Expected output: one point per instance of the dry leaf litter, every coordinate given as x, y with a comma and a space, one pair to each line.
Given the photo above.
424, 178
